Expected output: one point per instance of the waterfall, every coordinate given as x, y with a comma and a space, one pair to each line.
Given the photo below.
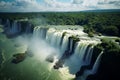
71, 45
62, 39
65, 43
7, 24
14, 28
96, 65
75, 47
76, 50
93, 70
17, 27
76, 61
28, 28
54, 37
36, 32
89, 55
51, 36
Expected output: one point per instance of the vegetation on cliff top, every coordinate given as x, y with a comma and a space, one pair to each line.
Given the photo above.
109, 46
107, 23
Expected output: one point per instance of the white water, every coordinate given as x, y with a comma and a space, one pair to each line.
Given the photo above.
64, 72
80, 57
42, 47
93, 70
75, 62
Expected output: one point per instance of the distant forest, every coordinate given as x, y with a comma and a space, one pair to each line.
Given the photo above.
107, 23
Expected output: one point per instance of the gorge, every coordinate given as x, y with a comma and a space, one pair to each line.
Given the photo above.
69, 46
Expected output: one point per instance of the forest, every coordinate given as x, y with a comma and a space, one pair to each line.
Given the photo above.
107, 23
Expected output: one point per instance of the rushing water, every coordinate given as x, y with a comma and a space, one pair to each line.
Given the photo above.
32, 68
44, 41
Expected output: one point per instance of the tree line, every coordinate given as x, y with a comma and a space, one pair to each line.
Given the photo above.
107, 23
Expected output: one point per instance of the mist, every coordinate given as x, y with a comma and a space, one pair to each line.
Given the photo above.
39, 48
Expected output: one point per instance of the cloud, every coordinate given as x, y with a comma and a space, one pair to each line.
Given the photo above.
90, 2
115, 3
77, 1
20, 6
56, 5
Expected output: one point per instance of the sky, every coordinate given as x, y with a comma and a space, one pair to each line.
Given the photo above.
56, 5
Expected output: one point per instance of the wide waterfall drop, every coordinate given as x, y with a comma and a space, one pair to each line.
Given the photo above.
12, 28
74, 47
82, 56
65, 44
49, 45
39, 46
56, 52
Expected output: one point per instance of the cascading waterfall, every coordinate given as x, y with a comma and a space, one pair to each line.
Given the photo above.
71, 45
79, 59
79, 51
53, 37
89, 55
93, 70
75, 47
12, 28
16, 28
55, 51
64, 43
40, 32
36, 32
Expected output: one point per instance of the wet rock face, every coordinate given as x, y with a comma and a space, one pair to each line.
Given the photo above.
69, 52
19, 57
50, 58
58, 64
109, 68
96, 52
26, 27
61, 61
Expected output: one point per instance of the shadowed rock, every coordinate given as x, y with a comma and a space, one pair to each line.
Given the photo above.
50, 58
19, 57
58, 64
62, 60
